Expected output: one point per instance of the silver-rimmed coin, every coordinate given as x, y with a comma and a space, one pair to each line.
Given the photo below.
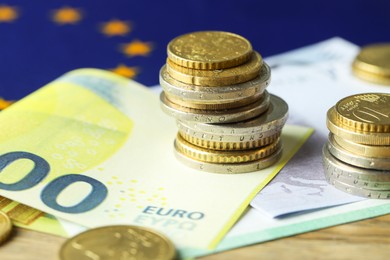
215, 116
242, 145
336, 168
358, 191
265, 125
222, 94
372, 185
230, 168
354, 159
378, 151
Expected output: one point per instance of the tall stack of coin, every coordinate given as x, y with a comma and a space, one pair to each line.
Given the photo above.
215, 86
357, 154
373, 63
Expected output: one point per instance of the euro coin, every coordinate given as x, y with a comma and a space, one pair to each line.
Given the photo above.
217, 78
373, 64
5, 227
356, 160
215, 106
376, 151
209, 50
212, 95
215, 116
230, 168
368, 112
358, 191
216, 156
118, 242
337, 168
217, 145
264, 125
348, 133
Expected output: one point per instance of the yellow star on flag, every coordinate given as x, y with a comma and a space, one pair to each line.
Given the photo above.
137, 48
128, 72
5, 103
8, 13
116, 27
66, 15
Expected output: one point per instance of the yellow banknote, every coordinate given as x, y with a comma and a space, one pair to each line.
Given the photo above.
95, 149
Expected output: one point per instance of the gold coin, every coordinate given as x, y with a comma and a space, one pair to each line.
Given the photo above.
368, 112
378, 151
373, 78
5, 226
215, 106
211, 95
337, 128
209, 50
230, 168
217, 78
373, 63
217, 145
217, 156
350, 158
215, 116
118, 242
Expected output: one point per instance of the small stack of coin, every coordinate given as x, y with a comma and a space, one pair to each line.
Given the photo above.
373, 64
357, 154
214, 85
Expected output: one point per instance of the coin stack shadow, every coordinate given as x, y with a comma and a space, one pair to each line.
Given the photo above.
215, 86
356, 156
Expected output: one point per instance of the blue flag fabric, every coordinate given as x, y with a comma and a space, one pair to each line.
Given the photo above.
40, 40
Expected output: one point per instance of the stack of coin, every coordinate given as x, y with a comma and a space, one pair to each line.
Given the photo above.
215, 86
357, 155
373, 64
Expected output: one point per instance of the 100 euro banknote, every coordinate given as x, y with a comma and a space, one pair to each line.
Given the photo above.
94, 148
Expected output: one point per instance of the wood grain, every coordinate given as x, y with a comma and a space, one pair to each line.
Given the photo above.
367, 239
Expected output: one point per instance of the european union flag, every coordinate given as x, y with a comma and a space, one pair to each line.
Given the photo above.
41, 40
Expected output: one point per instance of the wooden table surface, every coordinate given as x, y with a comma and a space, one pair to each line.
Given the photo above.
366, 239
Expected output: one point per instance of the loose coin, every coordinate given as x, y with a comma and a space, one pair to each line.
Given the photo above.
215, 116
368, 112
377, 151
215, 106
336, 127
335, 167
5, 227
212, 95
118, 242
215, 156
373, 64
217, 78
356, 160
372, 185
265, 125
216, 145
230, 168
209, 50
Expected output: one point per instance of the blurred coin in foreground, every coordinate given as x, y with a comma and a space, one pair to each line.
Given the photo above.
5, 226
118, 242
373, 64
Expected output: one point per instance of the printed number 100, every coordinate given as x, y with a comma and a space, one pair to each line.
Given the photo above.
51, 191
